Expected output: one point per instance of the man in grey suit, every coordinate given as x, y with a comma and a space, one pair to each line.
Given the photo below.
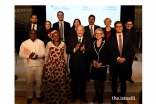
62, 26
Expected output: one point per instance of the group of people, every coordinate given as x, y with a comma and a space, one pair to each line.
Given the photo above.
89, 51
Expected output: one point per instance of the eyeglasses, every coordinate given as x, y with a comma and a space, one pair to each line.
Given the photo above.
119, 26
129, 24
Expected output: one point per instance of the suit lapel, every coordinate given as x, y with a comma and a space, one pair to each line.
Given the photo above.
124, 42
84, 40
116, 42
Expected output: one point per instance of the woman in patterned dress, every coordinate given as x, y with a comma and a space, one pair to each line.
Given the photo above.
56, 78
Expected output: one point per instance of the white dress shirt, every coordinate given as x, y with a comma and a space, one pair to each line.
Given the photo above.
35, 26
27, 47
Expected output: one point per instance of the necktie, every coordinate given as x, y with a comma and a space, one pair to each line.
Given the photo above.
33, 27
120, 45
79, 40
61, 31
91, 30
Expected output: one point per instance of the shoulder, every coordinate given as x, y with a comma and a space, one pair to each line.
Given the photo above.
25, 42
55, 23
86, 26
67, 23
40, 41
97, 26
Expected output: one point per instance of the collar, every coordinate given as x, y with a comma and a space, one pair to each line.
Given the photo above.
80, 37
119, 34
61, 21
91, 25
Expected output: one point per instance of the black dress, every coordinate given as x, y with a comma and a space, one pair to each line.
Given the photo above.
100, 54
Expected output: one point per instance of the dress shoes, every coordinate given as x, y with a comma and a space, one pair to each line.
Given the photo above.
100, 100
135, 58
119, 80
130, 80
29, 100
96, 98
84, 100
124, 101
88, 79
113, 101
40, 100
73, 100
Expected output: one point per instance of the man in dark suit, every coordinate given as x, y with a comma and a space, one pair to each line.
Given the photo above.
62, 26
79, 48
34, 26
120, 53
89, 32
133, 36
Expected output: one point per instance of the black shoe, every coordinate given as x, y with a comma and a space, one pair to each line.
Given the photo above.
73, 100
29, 100
84, 100
135, 58
95, 99
40, 100
100, 100
88, 79
113, 101
130, 80
124, 101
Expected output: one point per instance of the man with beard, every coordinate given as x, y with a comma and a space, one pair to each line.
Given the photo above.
35, 26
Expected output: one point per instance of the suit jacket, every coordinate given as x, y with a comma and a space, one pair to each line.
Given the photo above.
88, 33
40, 32
79, 58
127, 50
101, 55
66, 29
133, 36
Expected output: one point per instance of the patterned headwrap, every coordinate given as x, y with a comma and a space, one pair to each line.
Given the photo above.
51, 33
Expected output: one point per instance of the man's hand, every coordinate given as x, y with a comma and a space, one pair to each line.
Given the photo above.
121, 60
82, 48
31, 55
77, 47
36, 56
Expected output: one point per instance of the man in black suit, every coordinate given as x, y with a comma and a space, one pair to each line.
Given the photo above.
120, 53
89, 32
34, 26
62, 26
79, 48
133, 36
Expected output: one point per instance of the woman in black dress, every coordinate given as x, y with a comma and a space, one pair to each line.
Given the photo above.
108, 31
72, 31
100, 55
